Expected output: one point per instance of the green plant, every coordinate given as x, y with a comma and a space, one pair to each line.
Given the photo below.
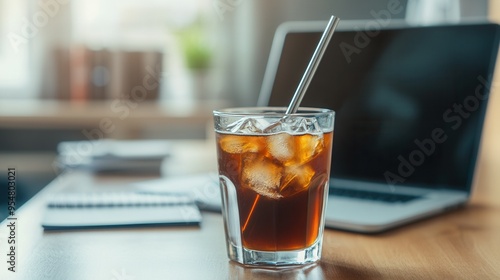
196, 52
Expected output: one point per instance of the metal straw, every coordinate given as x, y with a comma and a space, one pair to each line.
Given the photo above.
313, 65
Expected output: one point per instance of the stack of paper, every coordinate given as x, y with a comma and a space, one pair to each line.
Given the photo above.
203, 188
114, 155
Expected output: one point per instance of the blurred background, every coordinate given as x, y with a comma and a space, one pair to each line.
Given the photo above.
148, 69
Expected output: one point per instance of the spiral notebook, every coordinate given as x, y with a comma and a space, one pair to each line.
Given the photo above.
119, 209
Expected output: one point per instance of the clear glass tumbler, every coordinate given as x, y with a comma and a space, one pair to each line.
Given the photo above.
274, 170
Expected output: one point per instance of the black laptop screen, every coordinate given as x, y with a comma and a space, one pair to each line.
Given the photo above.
409, 103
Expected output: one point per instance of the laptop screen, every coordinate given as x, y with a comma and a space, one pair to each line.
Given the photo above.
409, 103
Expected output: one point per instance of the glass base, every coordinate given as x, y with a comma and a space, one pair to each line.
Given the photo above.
275, 258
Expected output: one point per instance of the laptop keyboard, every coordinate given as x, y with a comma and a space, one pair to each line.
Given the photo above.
369, 195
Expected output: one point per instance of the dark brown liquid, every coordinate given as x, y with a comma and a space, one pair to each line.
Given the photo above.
281, 212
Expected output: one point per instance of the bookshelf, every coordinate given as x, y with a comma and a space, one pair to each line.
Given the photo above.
115, 118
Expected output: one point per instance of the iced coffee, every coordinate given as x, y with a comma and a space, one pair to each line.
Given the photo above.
274, 171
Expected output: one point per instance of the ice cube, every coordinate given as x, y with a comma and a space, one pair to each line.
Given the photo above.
294, 125
304, 125
296, 179
275, 127
308, 147
237, 144
245, 125
294, 149
262, 176
281, 146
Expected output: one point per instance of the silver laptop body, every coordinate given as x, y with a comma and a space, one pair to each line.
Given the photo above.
410, 105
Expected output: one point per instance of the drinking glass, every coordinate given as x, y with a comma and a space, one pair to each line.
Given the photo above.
274, 170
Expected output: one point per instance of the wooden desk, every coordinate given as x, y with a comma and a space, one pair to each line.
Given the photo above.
464, 244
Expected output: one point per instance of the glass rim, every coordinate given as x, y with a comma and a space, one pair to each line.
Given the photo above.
271, 112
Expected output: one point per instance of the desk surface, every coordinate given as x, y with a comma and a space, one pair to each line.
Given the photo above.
464, 244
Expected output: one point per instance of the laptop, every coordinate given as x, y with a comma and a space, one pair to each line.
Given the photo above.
410, 105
